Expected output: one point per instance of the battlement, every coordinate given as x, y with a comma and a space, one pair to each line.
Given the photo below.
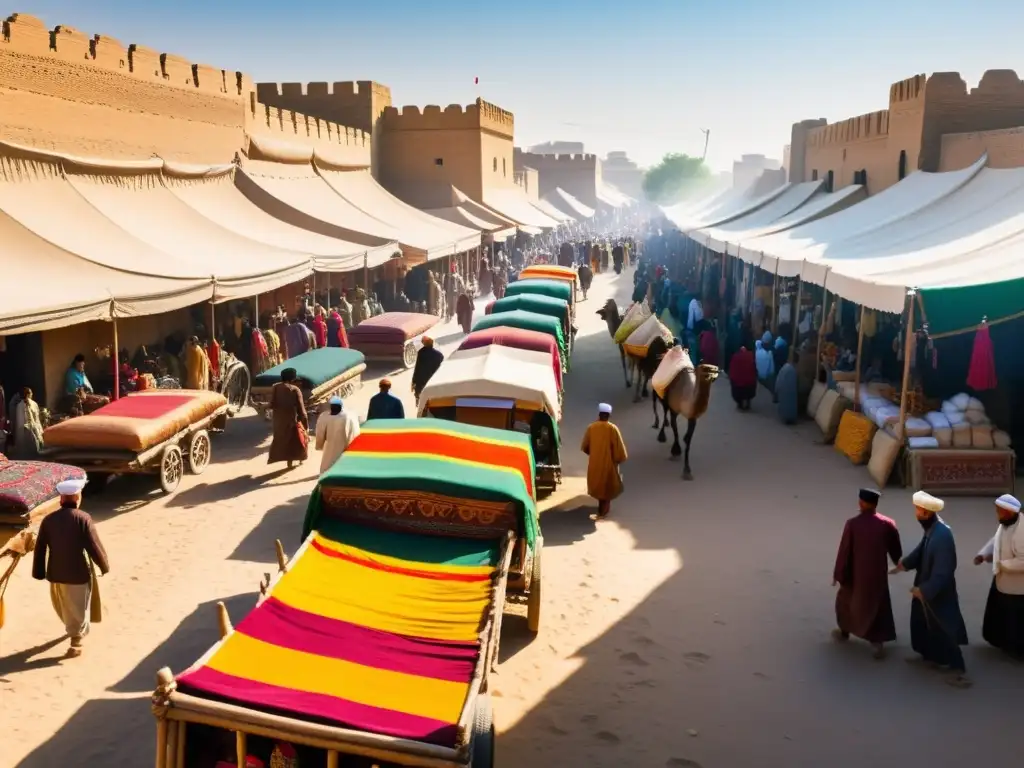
543, 162
873, 125
481, 115
911, 89
346, 92
29, 35
287, 121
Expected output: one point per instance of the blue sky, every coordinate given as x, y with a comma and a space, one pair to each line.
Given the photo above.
643, 76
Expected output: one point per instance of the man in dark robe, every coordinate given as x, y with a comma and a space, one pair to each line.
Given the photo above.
1003, 626
290, 422
863, 605
618, 257
937, 627
428, 360
385, 405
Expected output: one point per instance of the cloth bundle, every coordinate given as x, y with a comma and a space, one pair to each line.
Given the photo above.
970, 424
632, 320
671, 365
640, 339
853, 439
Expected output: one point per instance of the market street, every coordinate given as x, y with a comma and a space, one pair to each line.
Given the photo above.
692, 629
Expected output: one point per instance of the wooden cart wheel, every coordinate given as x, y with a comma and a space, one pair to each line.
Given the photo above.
199, 451
483, 733
533, 599
172, 467
236, 389
409, 354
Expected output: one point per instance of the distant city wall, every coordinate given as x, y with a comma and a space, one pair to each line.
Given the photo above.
64, 90
579, 175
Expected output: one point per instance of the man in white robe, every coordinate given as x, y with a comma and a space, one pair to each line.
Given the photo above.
335, 433
1003, 625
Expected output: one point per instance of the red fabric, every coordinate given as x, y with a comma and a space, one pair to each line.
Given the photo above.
213, 352
392, 328
743, 369
709, 348
981, 375
320, 332
149, 407
259, 343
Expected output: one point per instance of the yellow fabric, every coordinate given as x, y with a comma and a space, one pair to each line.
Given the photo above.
633, 319
390, 602
95, 603
197, 367
262, 662
854, 437
394, 562
603, 443
870, 323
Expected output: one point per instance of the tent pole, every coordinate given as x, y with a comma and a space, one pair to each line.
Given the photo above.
366, 273
859, 363
117, 365
908, 348
775, 301
822, 327
796, 318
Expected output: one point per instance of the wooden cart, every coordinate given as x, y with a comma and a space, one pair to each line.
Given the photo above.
321, 374
391, 337
187, 446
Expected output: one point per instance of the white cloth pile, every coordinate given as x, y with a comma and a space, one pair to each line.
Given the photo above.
964, 419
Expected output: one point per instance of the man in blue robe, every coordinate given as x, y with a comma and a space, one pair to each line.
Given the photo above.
937, 627
385, 405
786, 386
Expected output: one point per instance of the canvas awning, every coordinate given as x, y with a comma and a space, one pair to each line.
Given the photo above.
295, 194
75, 290
786, 252
722, 208
565, 202
550, 210
513, 203
495, 371
462, 215
216, 197
432, 236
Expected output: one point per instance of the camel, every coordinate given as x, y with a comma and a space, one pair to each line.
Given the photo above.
688, 396
643, 366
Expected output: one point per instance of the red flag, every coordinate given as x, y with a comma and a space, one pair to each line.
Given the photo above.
476, 81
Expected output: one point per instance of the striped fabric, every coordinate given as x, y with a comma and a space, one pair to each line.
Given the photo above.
357, 636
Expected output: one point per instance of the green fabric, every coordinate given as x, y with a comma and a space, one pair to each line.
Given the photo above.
556, 289
534, 302
527, 321
434, 474
316, 367
437, 550
961, 308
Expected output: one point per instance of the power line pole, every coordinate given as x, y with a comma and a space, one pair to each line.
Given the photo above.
707, 138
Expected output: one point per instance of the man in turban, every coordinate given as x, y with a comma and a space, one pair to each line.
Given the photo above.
606, 450
428, 360
937, 627
385, 405
335, 433
1003, 626
863, 605
68, 551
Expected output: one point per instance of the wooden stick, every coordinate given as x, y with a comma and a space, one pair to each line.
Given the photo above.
795, 317
775, 302
224, 620
241, 750
821, 328
332, 758
282, 558
860, 349
117, 365
172, 743
161, 743
179, 759
908, 348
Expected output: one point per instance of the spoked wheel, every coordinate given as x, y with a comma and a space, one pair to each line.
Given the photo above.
199, 452
172, 467
483, 733
236, 388
533, 598
409, 355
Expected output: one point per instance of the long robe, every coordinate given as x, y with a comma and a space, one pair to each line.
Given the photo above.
464, 310
334, 434
289, 415
936, 625
1003, 625
787, 394
603, 443
863, 604
428, 360
197, 367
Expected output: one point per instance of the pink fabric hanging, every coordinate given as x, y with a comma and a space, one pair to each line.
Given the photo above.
981, 376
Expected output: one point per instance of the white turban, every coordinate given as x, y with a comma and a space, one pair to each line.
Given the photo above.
71, 487
929, 502
1008, 502
334, 401
604, 408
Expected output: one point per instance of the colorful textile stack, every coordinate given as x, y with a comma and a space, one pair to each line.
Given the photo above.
632, 320
556, 289
368, 629
637, 343
528, 321
451, 464
519, 339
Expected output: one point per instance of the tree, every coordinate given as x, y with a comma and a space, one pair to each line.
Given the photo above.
667, 182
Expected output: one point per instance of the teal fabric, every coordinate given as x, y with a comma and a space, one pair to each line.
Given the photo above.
316, 367
962, 308
438, 550
557, 289
535, 302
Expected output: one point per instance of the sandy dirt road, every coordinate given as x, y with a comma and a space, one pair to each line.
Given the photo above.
690, 630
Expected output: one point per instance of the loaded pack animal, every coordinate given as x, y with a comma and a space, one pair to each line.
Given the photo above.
643, 367
688, 396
